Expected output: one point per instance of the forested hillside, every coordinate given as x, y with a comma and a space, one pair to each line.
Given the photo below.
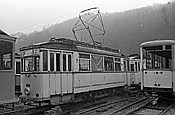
124, 30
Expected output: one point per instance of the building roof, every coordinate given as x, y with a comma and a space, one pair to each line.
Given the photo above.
5, 36
3, 33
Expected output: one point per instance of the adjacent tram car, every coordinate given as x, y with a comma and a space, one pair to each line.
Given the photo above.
17, 74
63, 70
7, 68
134, 74
158, 74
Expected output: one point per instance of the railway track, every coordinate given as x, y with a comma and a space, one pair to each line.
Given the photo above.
132, 106
109, 107
160, 108
75, 108
145, 106
34, 109
23, 109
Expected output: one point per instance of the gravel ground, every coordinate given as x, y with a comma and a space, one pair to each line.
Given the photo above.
171, 111
148, 111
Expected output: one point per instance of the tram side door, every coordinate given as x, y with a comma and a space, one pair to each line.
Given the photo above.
67, 76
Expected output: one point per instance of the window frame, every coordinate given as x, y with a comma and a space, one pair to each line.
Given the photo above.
52, 61
35, 56
155, 60
12, 59
45, 60
67, 67
82, 56
58, 65
117, 62
69, 62
27, 57
18, 70
108, 69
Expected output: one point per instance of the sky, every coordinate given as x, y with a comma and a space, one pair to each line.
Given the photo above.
33, 15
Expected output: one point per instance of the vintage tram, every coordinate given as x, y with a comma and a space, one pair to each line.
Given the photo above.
63, 70
7, 68
158, 73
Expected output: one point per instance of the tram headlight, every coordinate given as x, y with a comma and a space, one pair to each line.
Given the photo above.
27, 91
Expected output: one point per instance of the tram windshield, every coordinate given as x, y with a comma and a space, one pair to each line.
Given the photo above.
158, 57
31, 64
6, 54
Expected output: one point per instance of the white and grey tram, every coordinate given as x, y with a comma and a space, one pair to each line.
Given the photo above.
158, 72
63, 70
7, 68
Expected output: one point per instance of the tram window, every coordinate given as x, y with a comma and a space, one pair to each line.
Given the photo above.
117, 59
84, 65
156, 61
51, 62
36, 63
45, 61
85, 56
28, 64
64, 62
117, 64
18, 71
153, 48
6, 51
22, 65
148, 60
168, 46
97, 63
136, 68
128, 65
117, 67
109, 64
132, 67
124, 65
57, 62
161, 59
69, 63
84, 62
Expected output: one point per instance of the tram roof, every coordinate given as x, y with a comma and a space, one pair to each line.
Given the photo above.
72, 45
157, 43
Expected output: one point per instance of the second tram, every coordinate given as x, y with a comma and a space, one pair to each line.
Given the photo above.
133, 70
158, 74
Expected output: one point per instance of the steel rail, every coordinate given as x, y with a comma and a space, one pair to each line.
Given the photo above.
168, 108
120, 109
103, 105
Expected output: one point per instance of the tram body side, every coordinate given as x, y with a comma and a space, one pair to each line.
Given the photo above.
66, 85
133, 76
7, 74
